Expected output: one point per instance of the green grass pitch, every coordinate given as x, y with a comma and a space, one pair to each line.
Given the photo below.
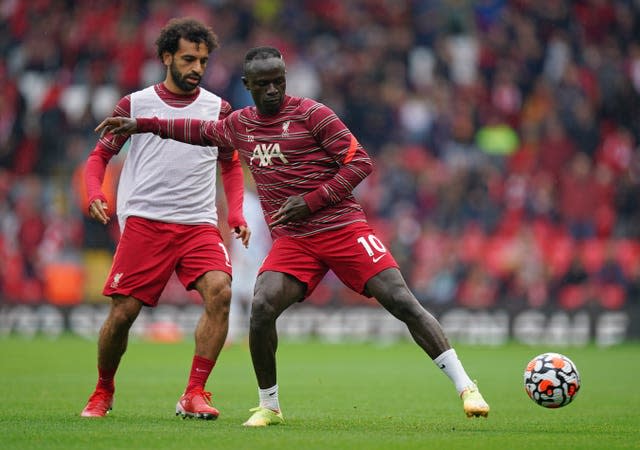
334, 396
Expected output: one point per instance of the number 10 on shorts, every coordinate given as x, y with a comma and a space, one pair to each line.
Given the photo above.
371, 243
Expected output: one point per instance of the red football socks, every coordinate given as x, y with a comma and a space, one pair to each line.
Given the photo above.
105, 379
200, 370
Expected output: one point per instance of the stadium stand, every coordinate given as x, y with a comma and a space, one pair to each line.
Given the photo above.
505, 135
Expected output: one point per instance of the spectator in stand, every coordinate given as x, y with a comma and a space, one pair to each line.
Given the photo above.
582, 125
610, 271
13, 145
556, 148
479, 288
577, 193
626, 204
574, 285
578, 61
633, 285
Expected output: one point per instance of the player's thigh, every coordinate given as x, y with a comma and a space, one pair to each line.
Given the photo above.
202, 251
389, 287
143, 262
355, 254
297, 259
276, 291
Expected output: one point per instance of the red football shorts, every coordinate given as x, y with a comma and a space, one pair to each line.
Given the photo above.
150, 251
352, 252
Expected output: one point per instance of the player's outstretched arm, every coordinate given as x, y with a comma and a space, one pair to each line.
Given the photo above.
187, 130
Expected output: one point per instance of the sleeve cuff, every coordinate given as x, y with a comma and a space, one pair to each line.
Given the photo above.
145, 124
95, 197
234, 223
315, 200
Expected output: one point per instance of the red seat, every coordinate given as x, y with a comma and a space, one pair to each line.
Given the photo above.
472, 245
572, 297
611, 296
558, 251
592, 254
628, 254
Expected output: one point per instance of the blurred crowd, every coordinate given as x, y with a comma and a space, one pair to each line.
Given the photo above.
505, 135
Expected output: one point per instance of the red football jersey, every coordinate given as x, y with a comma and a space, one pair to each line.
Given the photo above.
304, 150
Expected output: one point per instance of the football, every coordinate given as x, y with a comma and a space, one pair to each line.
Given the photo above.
551, 380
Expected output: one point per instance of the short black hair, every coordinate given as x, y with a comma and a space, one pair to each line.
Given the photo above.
186, 28
260, 53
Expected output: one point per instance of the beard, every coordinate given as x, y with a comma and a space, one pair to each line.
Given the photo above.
181, 81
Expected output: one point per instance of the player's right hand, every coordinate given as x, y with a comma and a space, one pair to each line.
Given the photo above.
294, 208
125, 126
243, 232
98, 211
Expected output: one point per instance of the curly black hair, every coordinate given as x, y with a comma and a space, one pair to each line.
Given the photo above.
187, 28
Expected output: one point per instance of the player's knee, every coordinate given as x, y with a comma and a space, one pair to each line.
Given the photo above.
402, 304
122, 318
224, 295
217, 299
262, 311
218, 294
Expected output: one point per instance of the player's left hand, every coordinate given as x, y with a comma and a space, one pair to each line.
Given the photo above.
243, 232
294, 208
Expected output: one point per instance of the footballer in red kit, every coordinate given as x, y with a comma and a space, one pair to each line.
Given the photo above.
167, 213
306, 164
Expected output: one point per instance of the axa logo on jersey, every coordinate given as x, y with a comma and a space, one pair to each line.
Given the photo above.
265, 154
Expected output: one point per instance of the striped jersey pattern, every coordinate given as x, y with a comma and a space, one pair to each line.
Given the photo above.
123, 109
303, 150
163, 179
